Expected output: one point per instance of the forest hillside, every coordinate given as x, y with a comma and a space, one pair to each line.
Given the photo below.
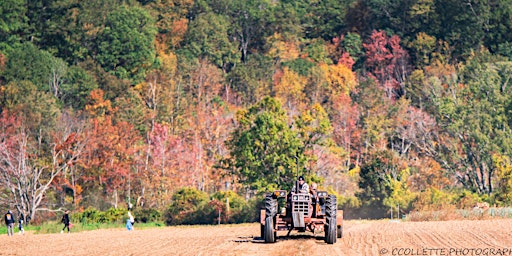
177, 106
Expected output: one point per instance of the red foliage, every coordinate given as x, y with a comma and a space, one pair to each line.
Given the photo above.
337, 51
346, 60
110, 152
386, 62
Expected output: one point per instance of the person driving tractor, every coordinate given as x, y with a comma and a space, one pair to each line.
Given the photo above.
303, 186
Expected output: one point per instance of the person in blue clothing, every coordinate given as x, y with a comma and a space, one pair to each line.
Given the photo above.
129, 225
9, 221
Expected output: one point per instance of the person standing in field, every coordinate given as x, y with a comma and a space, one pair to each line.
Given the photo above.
20, 224
65, 221
131, 219
9, 221
129, 225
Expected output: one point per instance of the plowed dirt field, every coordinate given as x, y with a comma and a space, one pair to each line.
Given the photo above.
476, 237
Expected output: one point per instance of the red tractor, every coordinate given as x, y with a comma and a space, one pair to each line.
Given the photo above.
303, 212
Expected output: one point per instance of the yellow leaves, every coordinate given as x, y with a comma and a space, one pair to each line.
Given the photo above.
354, 172
282, 49
339, 78
90, 29
400, 195
422, 7
503, 167
424, 45
169, 62
289, 85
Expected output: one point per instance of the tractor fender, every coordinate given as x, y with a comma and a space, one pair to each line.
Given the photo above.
262, 216
339, 218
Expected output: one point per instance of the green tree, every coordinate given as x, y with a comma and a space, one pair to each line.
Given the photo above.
27, 62
75, 27
39, 109
126, 44
467, 24
131, 109
248, 20
208, 37
401, 197
326, 18
313, 126
12, 22
498, 38
353, 44
111, 85
264, 150
375, 187
475, 116
77, 87
250, 80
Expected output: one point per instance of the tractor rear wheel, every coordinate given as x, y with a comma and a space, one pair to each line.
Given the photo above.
330, 217
269, 234
330, 231
270, 206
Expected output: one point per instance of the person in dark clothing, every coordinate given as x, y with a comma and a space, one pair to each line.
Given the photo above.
20, 224
9, 221
65, 221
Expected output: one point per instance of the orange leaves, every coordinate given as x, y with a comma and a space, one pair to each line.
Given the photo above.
178, 30
345, 119
3, 60
66, 149
97, 105
111, 150
428, 174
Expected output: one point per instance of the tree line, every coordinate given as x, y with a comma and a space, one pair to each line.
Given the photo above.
385, 103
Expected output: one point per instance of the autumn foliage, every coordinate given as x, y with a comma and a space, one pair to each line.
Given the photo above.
150, 103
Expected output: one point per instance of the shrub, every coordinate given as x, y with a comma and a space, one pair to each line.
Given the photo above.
114, 215
88, 216
237, 206
147, 215
434, 199
250, 212
92, 215
185, 207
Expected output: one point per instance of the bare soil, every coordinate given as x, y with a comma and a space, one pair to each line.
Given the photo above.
466, 237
